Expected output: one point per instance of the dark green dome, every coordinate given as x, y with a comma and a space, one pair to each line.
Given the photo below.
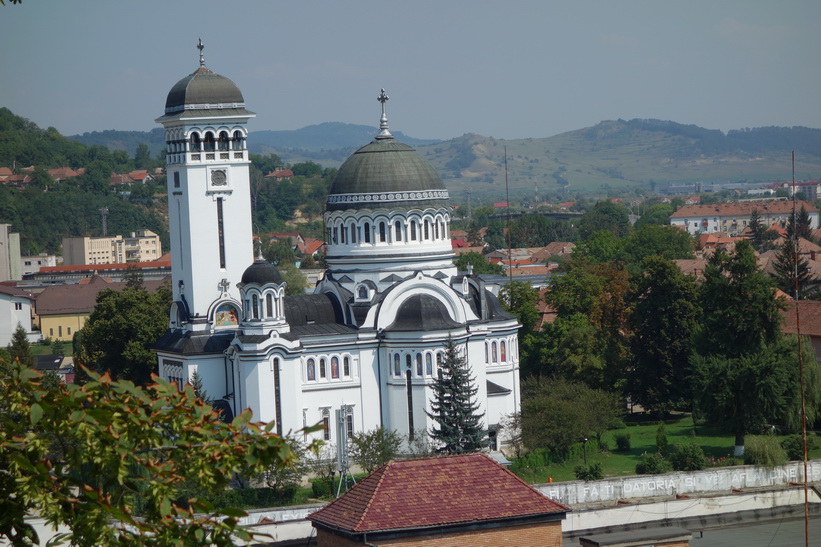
386, 173
203, 89
261, 273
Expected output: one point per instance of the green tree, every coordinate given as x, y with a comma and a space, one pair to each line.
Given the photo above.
600, 246
479, 263
20, 349
557, 414
521, 299
295, 281
199, 390
667, 241
121, 330
757, 229
744, 392
657, 214
142, 156
741, 313
372, 449
57, 348
663, 322
110, 471
458, 428
279, 252
799, 224
789, 267
605, 215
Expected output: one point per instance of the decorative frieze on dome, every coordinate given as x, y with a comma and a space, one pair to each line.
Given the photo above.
388, 197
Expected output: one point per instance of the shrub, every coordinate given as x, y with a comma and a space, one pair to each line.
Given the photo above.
622, 442
652, 464
763, 451
661, 441
616, 423
794, 446
592, 472
688, 456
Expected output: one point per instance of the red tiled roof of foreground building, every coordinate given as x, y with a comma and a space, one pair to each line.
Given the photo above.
432, 492
810, 315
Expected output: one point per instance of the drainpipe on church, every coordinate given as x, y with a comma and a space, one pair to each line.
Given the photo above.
380, 333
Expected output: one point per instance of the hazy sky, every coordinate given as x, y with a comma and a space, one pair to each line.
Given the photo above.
506, 69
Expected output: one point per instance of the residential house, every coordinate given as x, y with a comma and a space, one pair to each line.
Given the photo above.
64, 309
32, 264
15, 309
142, 246
279, 174
467, 499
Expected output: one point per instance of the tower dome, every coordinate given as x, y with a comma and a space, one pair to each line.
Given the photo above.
386, 173
261, 273
203, 92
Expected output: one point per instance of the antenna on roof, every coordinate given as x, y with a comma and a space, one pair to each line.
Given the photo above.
343, 413
104, 216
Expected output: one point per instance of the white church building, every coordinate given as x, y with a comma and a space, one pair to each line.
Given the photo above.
368, 341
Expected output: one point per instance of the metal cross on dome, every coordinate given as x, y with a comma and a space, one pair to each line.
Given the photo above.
201, 46
383, 121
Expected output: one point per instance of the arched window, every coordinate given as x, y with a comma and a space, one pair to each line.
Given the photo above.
493, 353
237, 140
223, 140
323, 370
398, 229
487, 353
436, 229
367, 232
311, 372
419, 364
346, 367
408, 361
397, 365
344, 234
353, 232
335, 235
326, 424
209, 142
438, 360
427, 229
428, 364
254, 307
335, 367
196, 142
413, 230
269, 305
503, 350
382, 232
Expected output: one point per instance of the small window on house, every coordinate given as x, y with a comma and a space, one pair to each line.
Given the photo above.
428, 364
397, 365
323, 372
503, 350
346, 367
335, 367
493, 353
311, 372
18, 306
419, 364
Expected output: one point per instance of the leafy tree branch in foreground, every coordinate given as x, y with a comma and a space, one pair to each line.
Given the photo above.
108, 459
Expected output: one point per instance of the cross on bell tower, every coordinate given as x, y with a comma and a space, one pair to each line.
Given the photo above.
383, 121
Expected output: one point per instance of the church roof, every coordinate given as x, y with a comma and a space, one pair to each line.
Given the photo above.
386, 173
422, 312
436, 492
261, 272
312, 309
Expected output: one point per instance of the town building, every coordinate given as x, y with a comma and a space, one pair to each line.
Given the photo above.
733, 218
15, 309
446, 501
50, 275
366, 344
62, 310
141, 246
32, 264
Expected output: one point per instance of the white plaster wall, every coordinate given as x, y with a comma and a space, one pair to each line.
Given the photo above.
670, 484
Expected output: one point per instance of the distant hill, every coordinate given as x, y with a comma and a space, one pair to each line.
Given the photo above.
616, 157
612, 157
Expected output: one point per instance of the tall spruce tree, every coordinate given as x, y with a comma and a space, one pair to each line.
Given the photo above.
454, 408
800, 224
788, 265
20, 349
757, 229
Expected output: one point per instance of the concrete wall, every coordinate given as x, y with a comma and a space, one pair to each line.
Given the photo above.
722, 479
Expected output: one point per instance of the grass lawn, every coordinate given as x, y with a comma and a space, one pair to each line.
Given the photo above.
716, 445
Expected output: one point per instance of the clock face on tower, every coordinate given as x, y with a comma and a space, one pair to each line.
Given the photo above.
218, 177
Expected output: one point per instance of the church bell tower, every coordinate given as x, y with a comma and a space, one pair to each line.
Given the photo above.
209, 203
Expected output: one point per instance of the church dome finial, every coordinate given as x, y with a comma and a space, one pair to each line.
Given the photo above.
383, 121
201, 46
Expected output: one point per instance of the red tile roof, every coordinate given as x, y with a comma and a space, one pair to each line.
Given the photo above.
81, 298
741, 209
163, 262
809, 312
429, 492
